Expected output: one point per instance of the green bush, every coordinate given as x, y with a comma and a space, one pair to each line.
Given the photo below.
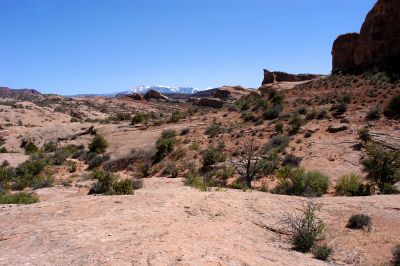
393, 108
291, 160
165, 144
18, 198
359, 221
382, 165
176, 116
108, 184
352, 186
212, 156
272, 112
49, 147
295, 124
98, 145
306, 229
301, 183
140, 118
322, 252
364, 134
32, 174
185, 131
31, 148
279, 143
194, 180
374, 113
172, 170
214, 130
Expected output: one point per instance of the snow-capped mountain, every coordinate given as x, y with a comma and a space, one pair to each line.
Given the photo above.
162, 89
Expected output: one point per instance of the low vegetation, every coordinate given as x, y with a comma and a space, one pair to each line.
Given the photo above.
306, 229
359, 221
352, 186
108, 184
98, 145
18, 198
300, 182
383, 167
165, 144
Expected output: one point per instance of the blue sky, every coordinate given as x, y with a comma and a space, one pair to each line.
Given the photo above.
99, 46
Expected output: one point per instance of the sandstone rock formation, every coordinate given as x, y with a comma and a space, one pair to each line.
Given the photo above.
135, 96
155, 95
7, 92
277, 76
211, 102
376, 46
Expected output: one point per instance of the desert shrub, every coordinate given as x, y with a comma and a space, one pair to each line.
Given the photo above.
322, 114
322, 252
61, 154
306, 229
364, 134
223, 175
352, 186
212, 156
272, 112
140, 118
6, 175
165, 144
248, 116
339, 108
346, 98
31, 148
104, 183
96, 161
393, 108
300, 182
214, 130
49, 147
172, 170
382, 165
194, 180
98, 145
359, 221
185, 131
123, 187
3, 150
308, 134
32, 174
396, 255
18, 198
279, 142
279, 127
295, 124
108, 184
291, 160
374, 113
120, 117
176, 116
303, 110
71, 166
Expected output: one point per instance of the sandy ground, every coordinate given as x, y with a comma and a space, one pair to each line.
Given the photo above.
167, 223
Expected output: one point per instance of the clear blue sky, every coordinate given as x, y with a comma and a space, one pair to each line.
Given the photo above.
98, 46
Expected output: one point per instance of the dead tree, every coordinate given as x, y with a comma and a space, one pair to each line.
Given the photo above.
247, 163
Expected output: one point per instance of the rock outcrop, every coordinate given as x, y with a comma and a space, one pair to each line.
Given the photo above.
377, 46
226, 93
135, 96
17, 93
211, 102
277, 76
155, 95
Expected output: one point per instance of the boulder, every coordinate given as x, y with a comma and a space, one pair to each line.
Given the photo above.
136, 96
377, 46
335, 128
211, 102
155, 95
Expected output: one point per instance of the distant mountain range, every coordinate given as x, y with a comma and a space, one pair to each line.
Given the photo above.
160, 89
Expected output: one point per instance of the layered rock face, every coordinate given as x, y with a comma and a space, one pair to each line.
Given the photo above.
276, 76
7, 92
155, 95
376, 46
